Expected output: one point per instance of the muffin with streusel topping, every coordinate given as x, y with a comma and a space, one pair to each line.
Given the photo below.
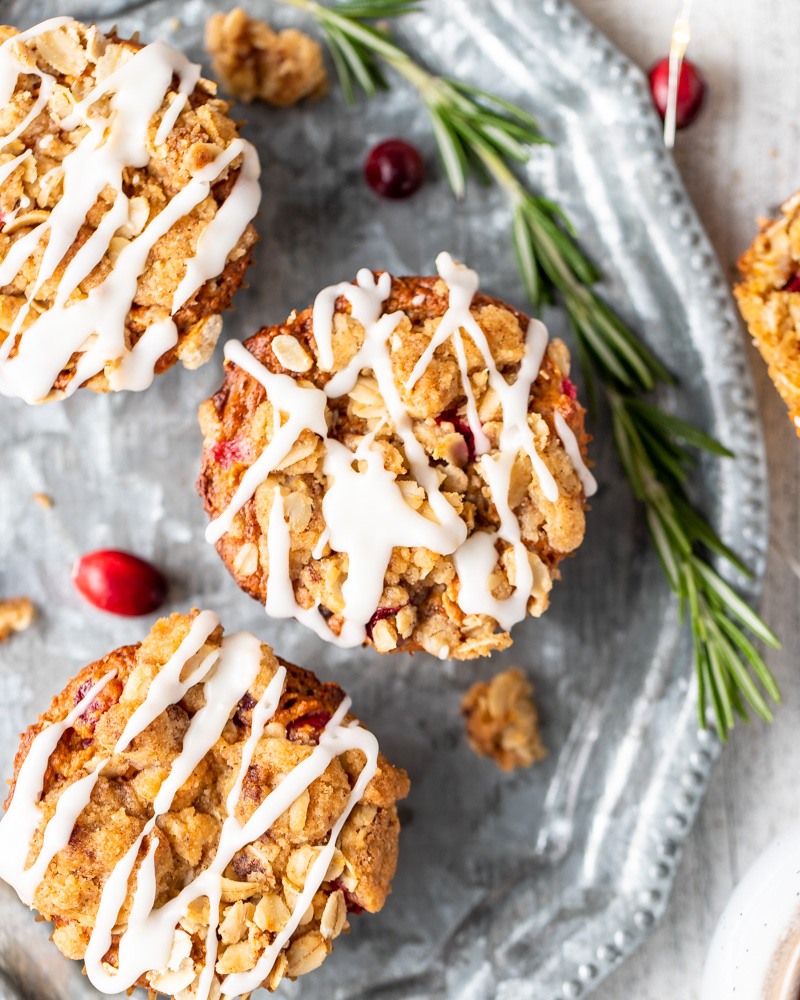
126, 199
769, 300
196, 815
401, 465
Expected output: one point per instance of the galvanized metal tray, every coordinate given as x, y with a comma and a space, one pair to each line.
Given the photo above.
532, 886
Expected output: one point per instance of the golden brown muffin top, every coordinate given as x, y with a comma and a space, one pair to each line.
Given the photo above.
95, 86
417, 606
261, 884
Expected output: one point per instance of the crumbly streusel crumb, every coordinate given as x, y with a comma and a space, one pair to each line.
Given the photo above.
16, 614
769, 300
262, 883
254, 62
502, 721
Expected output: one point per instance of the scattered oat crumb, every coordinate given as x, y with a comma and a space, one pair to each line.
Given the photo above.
253, 61
16, 614
174, 23
43, 499
502, 721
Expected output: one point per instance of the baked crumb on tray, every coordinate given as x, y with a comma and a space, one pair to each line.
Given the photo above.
502, 722
254, 62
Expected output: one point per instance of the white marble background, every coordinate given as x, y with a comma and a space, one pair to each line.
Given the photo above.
740, 159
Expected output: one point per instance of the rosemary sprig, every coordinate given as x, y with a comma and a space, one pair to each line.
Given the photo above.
480, 134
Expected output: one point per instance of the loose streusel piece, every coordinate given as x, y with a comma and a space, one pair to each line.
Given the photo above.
118, 260
412, 493
769, 300
262, 812
502, 721
252, 61
16, 614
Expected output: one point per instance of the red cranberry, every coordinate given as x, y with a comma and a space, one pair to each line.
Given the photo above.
315, 721
119, 582
568, 388
793, 284
379, 615
227, 453
691, 91
463, 428
394, 169
246, 705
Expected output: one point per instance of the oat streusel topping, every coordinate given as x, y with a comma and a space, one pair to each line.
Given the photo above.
252, 61
769, 300
115, 163
16, 614
276, 914
385, 475
502, 721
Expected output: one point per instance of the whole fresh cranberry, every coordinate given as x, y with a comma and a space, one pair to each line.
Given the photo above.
119, 582
691, 91
394, 169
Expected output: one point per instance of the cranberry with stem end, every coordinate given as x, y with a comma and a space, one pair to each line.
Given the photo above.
691, 91
394, 169
119, 582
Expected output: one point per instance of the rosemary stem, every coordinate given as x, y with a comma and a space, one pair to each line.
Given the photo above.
481, 134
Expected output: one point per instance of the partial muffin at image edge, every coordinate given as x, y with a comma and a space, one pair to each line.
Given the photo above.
126, 199
427, 475
769, 300
207, 814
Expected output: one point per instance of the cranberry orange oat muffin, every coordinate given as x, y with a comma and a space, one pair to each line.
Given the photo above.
126, 196
198, 817
401, 464
769, 300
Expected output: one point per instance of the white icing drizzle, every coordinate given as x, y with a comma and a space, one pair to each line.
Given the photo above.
145, 944
573, 450
24, 815
365, 513
96, 323
7, 169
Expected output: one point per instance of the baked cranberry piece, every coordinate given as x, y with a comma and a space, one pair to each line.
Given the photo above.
307, 728
462, 427
793, 284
